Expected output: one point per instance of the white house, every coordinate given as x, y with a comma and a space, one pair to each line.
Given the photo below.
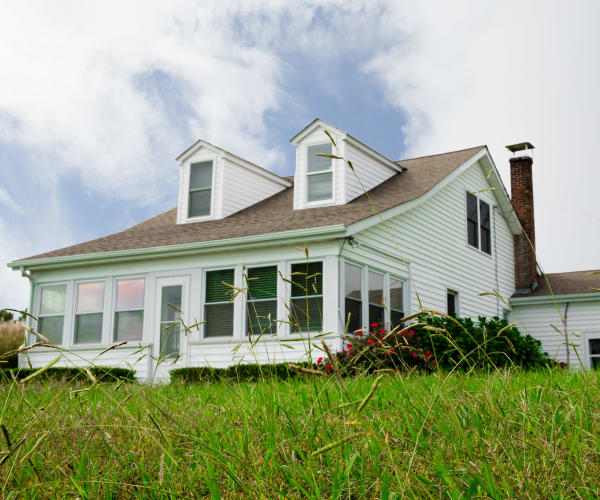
374, 242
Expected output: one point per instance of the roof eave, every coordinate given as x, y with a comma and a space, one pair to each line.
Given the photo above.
566, 297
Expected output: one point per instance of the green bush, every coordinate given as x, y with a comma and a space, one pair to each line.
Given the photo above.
100, 373
443, 342
239, 372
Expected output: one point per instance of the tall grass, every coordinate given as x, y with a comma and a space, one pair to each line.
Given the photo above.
11, 337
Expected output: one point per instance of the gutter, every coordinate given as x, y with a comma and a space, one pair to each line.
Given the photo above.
315, 234
551, 299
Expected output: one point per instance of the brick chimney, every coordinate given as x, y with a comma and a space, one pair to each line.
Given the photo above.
521, 181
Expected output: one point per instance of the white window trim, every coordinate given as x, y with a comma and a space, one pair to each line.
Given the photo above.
74, 310
66, 313
161, 282
246, 301
235, 334
343, 295
200, 218
452, 291
115, 310
290, 333
331, 200
595, 335
466, 224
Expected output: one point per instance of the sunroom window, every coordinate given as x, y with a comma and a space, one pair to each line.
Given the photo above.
200, 189
129, 310
306, 308
319, 173
376, 300
170, 320
52, 313
261, 304
594, 353
218, 306
89, 313
396, 302
353, 297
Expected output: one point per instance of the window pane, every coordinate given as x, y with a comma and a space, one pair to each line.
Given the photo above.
90, 297
130, 294
354, 309
199, 203
88, 328
376, 315
53, 299
129, 325
451, 303
595, 363
320, 187
169, 338
396, 318
262, 317
484, 210
307, 279
306, 315
471, 206
472, 233
353, 281
318, 163
376, 288
201, 175
170, 303
216, 291
594, 346
486, 241
262, 282
396, 294
51, 327
218, 320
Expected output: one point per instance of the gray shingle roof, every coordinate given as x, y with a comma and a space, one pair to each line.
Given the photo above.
276, 214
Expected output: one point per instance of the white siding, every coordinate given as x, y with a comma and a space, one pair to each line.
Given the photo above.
370, 170
583, 323
242, 188
431, 241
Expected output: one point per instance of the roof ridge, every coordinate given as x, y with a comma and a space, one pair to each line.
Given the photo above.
440, 154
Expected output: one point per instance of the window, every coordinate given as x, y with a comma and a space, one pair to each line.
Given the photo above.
319, 173
52, 313
170, 324
484, 217
200, 188
261, 305
353, 298
479, 229
89, 313
396, 302
376, 300
472, 222
218, 306
594, 353
129, 309
307, 297
452, 302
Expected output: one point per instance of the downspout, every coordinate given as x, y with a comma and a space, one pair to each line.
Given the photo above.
27, 274
496, 259
566, 332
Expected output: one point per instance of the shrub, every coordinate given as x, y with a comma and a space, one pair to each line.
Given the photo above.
100, 373
11, 337
5, 315
240, 372
443, 342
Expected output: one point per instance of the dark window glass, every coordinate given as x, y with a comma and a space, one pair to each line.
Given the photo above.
472, 220
307, 279
307, 289
451, 303
594, 346
354, 310
486, 228
218, 309
261, 305
595, 362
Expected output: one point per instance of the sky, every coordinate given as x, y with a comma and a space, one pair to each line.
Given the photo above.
98, 98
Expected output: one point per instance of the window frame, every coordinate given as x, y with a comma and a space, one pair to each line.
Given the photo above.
204, 303
331, 170
245, 334
290, 297
384, 293
478, 225
482, 227
115, 310
190, 190
76, 284
588, 336
64, 340
455, 294
404, 302
345, 296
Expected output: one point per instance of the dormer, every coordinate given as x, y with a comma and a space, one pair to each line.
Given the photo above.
214, 183
322, 181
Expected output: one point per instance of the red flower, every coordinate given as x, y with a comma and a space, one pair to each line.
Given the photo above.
359, 332
425, 356
349, 346
319, 361
411, 333
427, 352
434, 362
374, 325
414, 354
391, 351
328, 367
370, 341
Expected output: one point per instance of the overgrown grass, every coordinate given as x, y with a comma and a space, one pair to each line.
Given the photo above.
505, 434
11, 337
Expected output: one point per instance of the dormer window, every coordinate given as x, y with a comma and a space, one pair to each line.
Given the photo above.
319, 174
201, 175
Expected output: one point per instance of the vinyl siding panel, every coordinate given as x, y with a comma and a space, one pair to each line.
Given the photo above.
429, 243
583, 323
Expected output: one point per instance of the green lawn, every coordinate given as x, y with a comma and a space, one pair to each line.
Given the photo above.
510, 434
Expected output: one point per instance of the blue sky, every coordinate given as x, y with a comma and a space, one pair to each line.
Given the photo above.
98, 100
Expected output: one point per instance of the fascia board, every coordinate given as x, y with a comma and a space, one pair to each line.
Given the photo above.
317, 122
548, 299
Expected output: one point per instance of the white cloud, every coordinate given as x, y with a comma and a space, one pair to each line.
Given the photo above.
7, 200
498, 73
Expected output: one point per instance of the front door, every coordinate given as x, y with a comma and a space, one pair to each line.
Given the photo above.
171, 304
